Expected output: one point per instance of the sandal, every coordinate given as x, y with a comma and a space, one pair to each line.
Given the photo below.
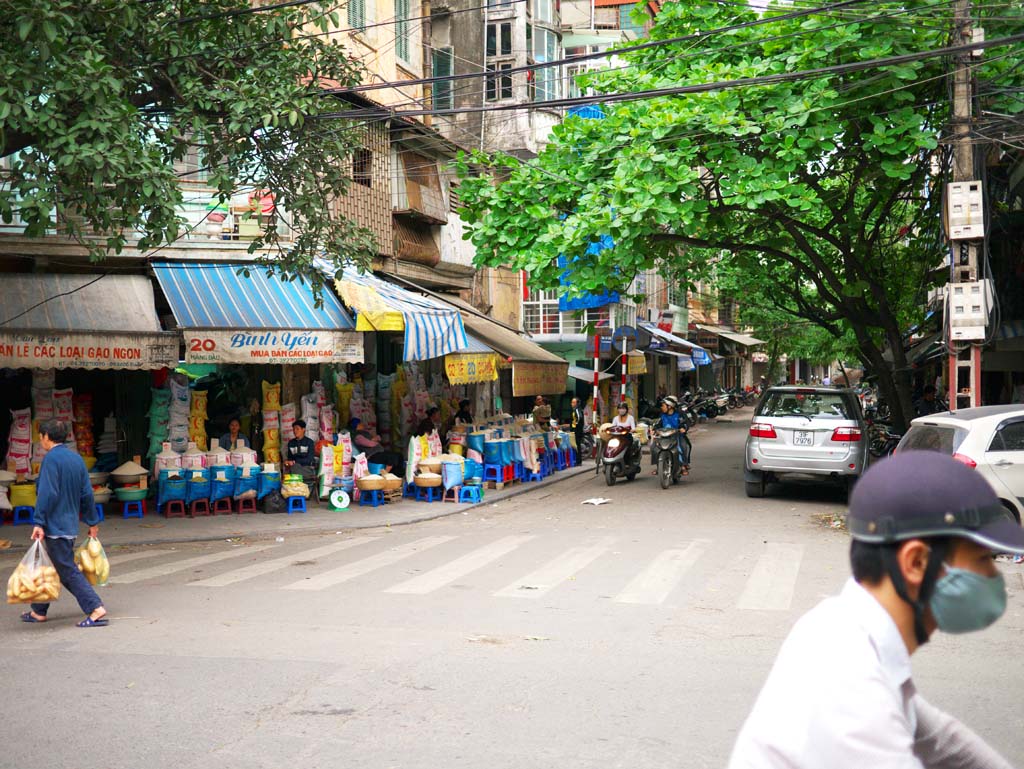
27, 617
90, 622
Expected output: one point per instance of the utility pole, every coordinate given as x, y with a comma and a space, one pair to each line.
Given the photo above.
966, 296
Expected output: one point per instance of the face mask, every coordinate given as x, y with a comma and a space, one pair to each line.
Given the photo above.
964, 601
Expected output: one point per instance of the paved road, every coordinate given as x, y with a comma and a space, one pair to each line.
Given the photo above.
540, 632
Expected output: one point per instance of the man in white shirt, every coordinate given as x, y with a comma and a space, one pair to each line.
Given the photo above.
840, 695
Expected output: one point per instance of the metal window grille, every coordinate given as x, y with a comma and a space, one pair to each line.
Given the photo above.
442, 65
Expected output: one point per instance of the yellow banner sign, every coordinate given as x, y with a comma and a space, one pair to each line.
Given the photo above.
636, 363
466, 368
538, 378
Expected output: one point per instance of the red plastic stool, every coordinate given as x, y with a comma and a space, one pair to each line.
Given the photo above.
247, 505
175, 508
222, 507
199, 507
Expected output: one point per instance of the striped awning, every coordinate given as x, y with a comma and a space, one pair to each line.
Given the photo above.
432, 328
214, 295
228, 317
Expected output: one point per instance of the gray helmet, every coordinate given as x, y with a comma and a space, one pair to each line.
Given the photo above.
916, 494
927, 495
671, 400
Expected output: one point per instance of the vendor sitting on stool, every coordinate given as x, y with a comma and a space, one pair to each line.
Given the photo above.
234, 438
300, 454
369, 443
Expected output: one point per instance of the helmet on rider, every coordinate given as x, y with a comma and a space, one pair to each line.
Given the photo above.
671, 401
928, 496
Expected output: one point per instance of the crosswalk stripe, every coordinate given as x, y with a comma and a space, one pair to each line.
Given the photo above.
366, 565
770, 586
189, 563
118, 559
653, 585
449, 572
556, 571
275, 564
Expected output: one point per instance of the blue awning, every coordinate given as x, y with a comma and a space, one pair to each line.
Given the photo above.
213, 295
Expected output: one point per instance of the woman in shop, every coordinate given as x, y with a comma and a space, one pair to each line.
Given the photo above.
431, 422
462, 416
234, 438
367, 442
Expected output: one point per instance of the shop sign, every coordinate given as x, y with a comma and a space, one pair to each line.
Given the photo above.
538, 378
759, 357
107, 351
250, 346
467, 368
636, 364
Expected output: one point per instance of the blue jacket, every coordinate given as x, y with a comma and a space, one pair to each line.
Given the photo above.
670, 421
63, 492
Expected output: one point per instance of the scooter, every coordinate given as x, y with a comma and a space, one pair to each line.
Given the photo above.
621, 455
666, 456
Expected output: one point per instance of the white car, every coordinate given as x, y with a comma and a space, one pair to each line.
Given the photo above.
990, 439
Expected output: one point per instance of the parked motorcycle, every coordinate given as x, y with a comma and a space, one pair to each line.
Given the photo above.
666, 456
620, 456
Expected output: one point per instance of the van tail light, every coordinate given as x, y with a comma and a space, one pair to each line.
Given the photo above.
762, 430
846, 435
966, 460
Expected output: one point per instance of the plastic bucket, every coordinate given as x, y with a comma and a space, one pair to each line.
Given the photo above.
376, 469
472, 469
507, 456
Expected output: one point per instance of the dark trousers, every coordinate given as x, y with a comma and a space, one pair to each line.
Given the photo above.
62, 553
578, 431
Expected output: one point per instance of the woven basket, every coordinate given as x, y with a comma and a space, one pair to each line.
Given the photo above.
392, 484
603, 433
431, 465
428, 481
371, 484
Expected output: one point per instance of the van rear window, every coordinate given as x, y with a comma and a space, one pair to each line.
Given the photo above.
805, 403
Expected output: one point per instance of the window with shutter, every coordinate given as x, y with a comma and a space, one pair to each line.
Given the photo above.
442, 61
357, 14
402, 30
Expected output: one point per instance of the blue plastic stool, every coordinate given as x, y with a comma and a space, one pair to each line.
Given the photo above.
429, 493
409, 490
518, 471
22, 510
134, 509
371, 497
562, 459
471, 494
296, 505
494, 473
534, 476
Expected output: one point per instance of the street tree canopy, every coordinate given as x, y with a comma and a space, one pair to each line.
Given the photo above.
102, 101
822, 189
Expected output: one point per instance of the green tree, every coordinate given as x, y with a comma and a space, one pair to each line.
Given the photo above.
824, 187
100, 99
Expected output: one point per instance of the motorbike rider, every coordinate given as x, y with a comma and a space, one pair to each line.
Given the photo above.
671, 420
924, 530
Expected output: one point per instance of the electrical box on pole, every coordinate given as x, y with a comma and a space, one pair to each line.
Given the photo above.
965, 210
968, 306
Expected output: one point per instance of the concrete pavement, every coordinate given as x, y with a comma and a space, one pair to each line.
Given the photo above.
538, 632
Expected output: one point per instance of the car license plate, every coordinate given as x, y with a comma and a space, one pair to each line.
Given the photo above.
803, 438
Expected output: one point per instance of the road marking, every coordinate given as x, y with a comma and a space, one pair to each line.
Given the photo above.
460, 567
771, 584
366, 565
276, 564
557, 571
117, 560
653, 585
170, 568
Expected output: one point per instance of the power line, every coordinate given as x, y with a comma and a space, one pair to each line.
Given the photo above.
610, 52
719, 85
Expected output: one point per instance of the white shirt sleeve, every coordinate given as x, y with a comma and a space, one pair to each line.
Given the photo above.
942, 742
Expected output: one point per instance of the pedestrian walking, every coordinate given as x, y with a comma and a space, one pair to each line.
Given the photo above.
576, 423
925, 529
63, 494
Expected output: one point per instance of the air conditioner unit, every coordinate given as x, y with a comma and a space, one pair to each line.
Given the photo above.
968, 306
965, 212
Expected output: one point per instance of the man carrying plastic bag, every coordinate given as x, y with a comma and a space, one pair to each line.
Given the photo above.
63, 492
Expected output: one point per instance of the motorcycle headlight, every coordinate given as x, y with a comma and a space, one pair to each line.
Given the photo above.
613, 443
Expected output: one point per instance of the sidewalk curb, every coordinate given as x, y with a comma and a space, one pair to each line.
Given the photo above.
515, 491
